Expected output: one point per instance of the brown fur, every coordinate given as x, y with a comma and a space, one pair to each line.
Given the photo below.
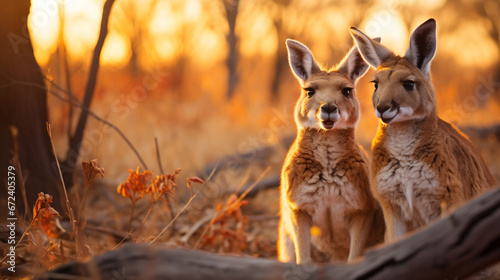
421, 165
325, 177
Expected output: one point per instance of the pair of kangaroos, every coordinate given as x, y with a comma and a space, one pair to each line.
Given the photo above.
421, 166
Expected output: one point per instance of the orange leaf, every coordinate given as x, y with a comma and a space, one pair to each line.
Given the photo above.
196, 180
91, 170
135, 186
46, 217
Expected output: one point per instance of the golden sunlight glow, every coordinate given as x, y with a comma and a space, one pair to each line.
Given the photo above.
209, 48
257, 35
165, 26
470, 45
196, 30
331, 24
423, 5
116, 51
177, 33
390, 27
43, 24
192, 10
82, 21
163, 20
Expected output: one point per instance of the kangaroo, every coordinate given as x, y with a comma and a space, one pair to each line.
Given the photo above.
421, 165
325, 177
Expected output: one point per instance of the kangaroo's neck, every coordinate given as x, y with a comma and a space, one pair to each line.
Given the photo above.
336, 139
403, 137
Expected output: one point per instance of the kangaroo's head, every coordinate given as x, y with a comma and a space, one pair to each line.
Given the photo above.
328, 98
403, 88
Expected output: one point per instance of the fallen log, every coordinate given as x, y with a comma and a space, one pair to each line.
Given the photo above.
258, 155
268, 183
465, 242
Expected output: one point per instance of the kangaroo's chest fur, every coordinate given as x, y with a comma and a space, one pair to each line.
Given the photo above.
329, 181
325, 182
424, 170
408, 182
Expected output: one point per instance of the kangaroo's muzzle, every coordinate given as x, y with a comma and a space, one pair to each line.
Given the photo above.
328, 115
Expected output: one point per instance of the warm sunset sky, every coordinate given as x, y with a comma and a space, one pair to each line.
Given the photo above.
165, 26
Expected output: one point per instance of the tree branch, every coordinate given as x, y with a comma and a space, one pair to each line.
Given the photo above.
74, 102
158, 156
76, 140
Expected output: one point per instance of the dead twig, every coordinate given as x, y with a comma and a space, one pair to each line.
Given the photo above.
224, 209
269, 183
70, 210
183, 208
158, 156
195, 228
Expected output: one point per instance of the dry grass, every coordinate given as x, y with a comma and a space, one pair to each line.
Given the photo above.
103, 221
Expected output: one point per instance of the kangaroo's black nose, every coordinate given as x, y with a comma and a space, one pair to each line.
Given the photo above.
381, 109
329, 108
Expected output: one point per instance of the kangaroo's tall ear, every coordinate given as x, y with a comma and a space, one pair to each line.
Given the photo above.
372, 51
301, 60
423, 46
353, 64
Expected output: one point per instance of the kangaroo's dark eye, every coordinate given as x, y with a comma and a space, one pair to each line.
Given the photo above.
375, 84
310, 92
347, 92
409, 85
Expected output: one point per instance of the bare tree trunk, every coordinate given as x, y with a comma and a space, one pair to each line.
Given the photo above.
23, 104
455, 247
231, 8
